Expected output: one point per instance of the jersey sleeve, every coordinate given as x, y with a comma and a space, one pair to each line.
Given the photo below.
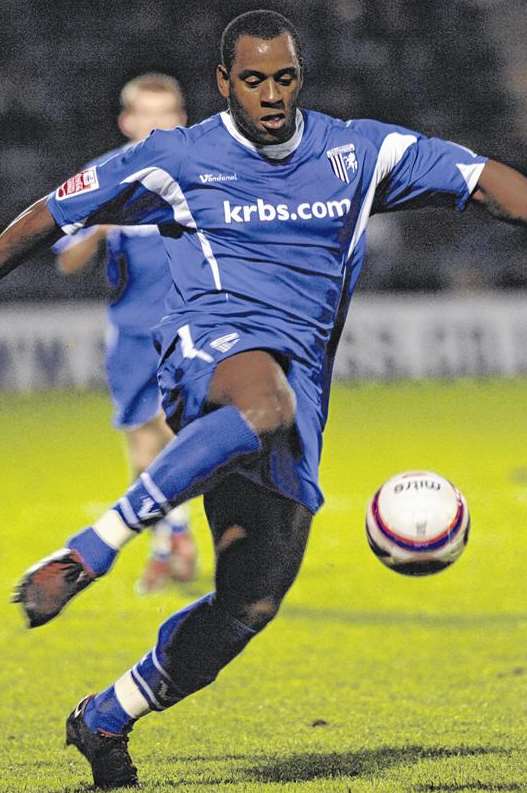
133, 187
415, 171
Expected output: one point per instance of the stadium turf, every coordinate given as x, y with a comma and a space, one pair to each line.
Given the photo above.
367, 681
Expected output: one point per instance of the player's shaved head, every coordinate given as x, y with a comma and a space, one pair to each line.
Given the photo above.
260, 75
260, 24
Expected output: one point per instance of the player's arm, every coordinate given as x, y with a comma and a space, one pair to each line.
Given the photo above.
34, 228
414, 171
138, 186
81, 253
503, 192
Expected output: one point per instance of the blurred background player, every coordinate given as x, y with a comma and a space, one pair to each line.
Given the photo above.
138, 274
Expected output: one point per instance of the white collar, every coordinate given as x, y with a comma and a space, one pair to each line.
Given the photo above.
274, 151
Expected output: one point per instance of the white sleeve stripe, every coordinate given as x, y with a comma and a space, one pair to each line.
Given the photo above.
160, 182
470, 173
390, 154
393, 148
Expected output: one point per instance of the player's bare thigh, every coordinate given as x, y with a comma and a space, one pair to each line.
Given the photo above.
255, 383
146, 442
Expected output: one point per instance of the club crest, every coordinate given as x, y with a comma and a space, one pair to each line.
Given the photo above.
343, 162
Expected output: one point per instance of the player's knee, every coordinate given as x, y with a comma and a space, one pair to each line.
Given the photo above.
256, 384
271, 409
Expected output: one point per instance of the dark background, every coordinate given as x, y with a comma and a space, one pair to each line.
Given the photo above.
452, 68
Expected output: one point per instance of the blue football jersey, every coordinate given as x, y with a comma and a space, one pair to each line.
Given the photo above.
266, 234
137, 269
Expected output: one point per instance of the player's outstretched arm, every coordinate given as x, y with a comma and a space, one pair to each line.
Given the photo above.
503, 192
33, 228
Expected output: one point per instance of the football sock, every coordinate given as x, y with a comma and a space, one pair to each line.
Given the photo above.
192, 647
186, 467
100, 544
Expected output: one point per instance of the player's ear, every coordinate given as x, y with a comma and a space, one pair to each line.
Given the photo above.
222, 80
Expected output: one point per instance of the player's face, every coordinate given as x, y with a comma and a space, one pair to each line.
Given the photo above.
262, 88
152, 110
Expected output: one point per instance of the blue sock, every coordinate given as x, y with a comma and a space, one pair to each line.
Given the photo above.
94, 551
105, 713
193, 645
187, 466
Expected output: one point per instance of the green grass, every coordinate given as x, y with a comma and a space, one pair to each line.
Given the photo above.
416, 685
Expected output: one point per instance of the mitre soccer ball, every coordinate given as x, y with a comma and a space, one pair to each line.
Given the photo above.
417, 523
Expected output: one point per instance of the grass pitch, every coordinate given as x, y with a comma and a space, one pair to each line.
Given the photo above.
367, 681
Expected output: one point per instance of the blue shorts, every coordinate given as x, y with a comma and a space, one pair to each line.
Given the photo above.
291, 465
131, 370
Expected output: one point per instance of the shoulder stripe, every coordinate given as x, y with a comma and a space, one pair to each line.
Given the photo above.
392, 150
160, 182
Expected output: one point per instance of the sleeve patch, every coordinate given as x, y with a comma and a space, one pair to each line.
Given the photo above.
83, 182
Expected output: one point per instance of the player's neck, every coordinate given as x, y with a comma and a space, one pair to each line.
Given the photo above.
275, 151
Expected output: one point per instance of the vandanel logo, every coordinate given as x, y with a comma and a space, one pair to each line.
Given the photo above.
208, 178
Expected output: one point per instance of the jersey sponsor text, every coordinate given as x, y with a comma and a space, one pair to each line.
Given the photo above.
264, 212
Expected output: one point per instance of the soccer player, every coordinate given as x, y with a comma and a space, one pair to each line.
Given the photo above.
263, 209
139, 275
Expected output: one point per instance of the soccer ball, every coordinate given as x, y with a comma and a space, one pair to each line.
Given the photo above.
417, 523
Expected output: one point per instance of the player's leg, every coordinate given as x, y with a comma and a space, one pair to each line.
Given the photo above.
131, 367
250, 399
173, 554
260, 538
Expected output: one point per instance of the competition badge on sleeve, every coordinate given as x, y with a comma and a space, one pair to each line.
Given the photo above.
83, 182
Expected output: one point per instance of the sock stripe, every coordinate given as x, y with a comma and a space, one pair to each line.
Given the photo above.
130, 697
129, 515
145, 689
154, 491
158, 666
